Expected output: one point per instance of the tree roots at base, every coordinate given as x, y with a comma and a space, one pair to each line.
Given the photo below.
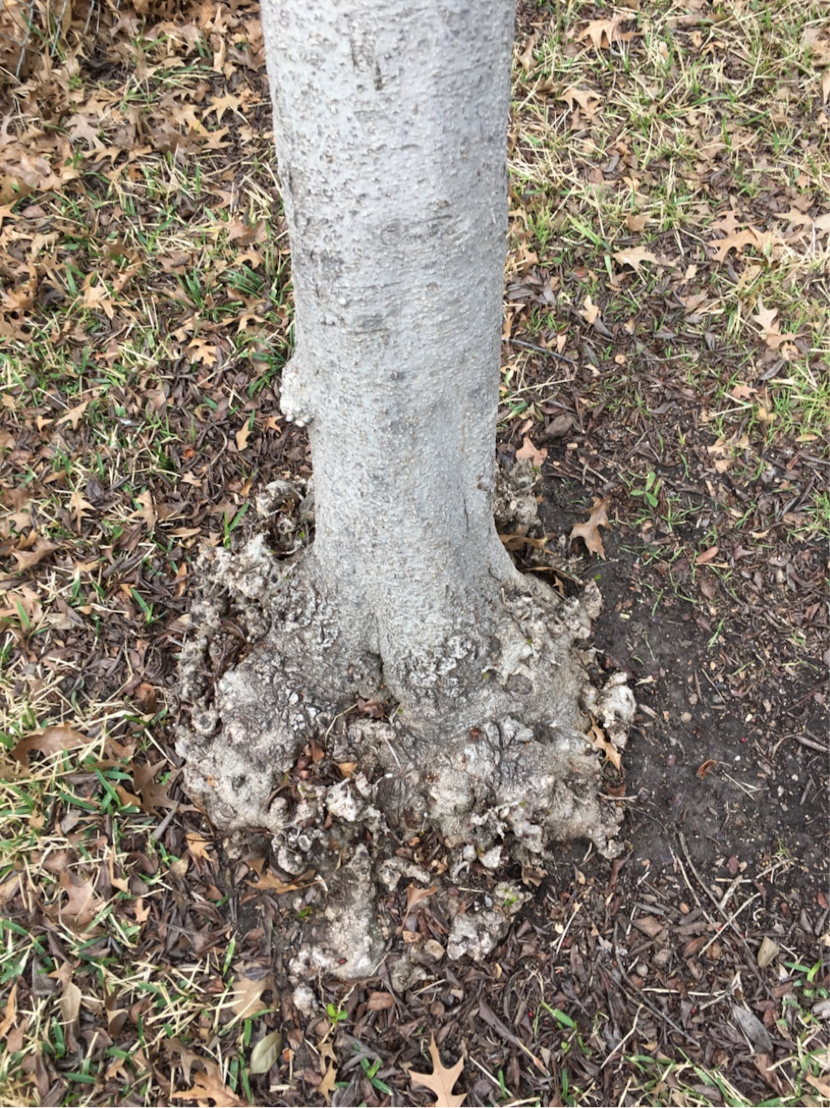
278, 742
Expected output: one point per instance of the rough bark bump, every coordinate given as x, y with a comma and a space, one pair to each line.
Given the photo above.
503, 775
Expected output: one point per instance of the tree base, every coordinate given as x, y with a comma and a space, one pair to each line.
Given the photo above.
300, 739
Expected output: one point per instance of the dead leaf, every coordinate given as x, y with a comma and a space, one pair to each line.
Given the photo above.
752, 1028
635, 256
602, 32
147, 509
8, 889
247, 993
221, 104
649, 925
747, 237
515, 540
211, 1085
742, 392
768, 951
414, 896
526, 56
80, 507
204, 351
765, 317
242, 436
197, 846
26, 559
770, 331
70, 1005
529, 451
636, 221
763, 1063
587, 100
441, 1080
244, 232
74, 415
706, 556
266, 1052
145, 697
599, 741
379, 1002
10, 1016
825, 94
51, 741
589, 531
329, 1083
82, 905
153, 795
116, 1017
590, 311
126, 797
273, 884
97, 297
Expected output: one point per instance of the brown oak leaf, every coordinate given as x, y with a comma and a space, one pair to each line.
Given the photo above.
603, 32
26, 559
210, 1085
50, 741
153, 795
247, 995
589, 530
82, 905
441, 1080
635, 256
527, 450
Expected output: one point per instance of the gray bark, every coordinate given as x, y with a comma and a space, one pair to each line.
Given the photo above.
390, 121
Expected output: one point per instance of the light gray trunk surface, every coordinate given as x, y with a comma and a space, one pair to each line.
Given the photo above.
390, 120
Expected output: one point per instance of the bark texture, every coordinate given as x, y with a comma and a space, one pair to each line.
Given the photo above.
390, 123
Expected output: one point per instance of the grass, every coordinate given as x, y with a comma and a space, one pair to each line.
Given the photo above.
146, 316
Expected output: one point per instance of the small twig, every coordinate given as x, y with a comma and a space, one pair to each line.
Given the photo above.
165, 823
730, 921
339, 715
565, 932
541, 350
807, 696
655, 1011
691, 887
724, 900
813, 746
624, 1039
486, 1073
748, 789
736, 980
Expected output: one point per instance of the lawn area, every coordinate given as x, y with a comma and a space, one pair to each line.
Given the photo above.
666, 352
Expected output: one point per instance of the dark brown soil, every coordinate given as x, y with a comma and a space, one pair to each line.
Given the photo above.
739, 776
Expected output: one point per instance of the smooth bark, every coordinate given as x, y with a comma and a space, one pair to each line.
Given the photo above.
390, 123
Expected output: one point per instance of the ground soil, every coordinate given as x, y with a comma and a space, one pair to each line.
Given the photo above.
665, 350
764, 792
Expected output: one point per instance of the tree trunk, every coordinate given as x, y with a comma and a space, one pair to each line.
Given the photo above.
390, 121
